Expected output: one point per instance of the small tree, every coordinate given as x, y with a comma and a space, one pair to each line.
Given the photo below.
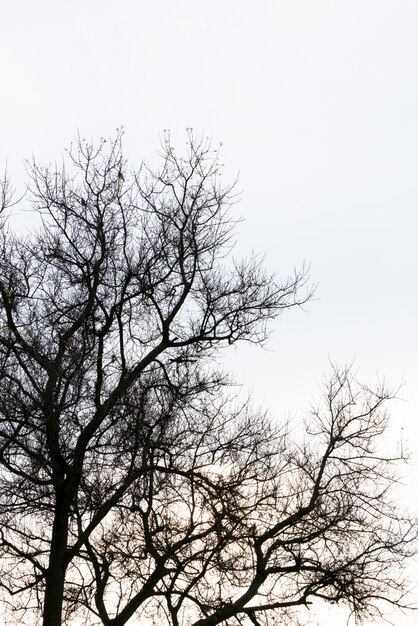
131, 485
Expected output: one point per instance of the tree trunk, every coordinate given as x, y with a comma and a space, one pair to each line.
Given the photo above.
55, 577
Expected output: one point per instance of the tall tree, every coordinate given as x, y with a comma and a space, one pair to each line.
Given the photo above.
131, 485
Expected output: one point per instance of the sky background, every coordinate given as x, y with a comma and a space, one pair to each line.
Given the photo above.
316, 105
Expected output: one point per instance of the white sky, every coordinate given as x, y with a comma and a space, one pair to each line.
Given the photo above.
316, 104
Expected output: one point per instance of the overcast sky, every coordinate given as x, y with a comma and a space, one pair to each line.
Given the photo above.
316, 103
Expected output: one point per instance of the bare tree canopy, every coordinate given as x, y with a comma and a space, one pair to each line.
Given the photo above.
134, 489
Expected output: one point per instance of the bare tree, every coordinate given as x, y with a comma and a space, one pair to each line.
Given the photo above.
111, 314
132, 485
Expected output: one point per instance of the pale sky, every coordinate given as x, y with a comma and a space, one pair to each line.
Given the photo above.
316, 103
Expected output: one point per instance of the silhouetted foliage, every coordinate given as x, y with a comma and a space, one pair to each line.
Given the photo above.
132, 485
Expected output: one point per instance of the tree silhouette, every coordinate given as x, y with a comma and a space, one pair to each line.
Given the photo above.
132, 484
